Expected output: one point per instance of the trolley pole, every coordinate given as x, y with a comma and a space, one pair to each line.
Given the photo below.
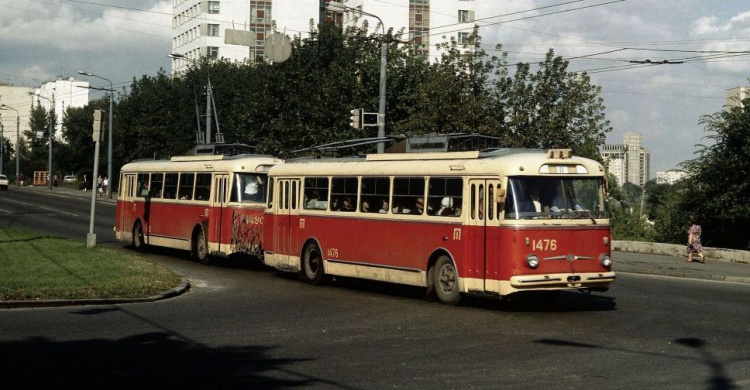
91, 236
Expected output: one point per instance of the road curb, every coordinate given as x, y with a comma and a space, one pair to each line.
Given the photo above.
171, 293
682, 275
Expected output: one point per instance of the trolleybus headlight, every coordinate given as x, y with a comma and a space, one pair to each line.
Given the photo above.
605, 260
532, 261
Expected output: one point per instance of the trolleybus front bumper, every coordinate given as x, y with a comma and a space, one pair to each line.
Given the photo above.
591, 280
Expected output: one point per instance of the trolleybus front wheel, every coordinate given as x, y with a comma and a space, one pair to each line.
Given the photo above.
200, 247
446, 281
312, 264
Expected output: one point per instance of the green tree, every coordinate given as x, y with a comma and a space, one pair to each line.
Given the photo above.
718, 194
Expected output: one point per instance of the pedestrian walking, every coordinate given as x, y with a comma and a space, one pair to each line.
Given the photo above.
694, 242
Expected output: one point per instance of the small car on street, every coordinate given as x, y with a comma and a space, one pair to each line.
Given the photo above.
3, 182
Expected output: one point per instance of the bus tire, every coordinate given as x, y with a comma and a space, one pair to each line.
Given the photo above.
445, 281
312, 264
139, 240
199, 247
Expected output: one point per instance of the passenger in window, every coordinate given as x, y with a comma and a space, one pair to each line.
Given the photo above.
335, 206
383, 207
252, 188
346, 205
365, 207
418, 207
312, 202
400, 209
446, 207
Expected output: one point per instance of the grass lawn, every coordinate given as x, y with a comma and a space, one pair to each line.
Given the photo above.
35, 266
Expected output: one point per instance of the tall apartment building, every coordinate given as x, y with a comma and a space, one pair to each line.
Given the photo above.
629, 162
199, 26
734, 96
65, 92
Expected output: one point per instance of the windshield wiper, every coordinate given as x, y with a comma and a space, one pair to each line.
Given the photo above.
575, 202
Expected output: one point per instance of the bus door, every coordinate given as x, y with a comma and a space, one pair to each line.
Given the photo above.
286, 232
483, 233
126, 204
219, 224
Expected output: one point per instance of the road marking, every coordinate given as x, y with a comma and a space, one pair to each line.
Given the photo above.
44, 208
6, 211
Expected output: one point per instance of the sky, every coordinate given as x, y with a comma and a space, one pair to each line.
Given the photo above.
706, 42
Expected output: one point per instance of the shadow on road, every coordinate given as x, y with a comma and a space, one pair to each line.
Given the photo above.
719, 380
147, 360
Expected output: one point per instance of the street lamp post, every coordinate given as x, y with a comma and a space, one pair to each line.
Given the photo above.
18, 139
339, 7
51, 135
209, 96
109, 127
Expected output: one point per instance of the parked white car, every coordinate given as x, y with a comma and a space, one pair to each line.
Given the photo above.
3, 182
69, 179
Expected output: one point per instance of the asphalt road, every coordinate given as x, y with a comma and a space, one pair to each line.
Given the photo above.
244, 326
56, 212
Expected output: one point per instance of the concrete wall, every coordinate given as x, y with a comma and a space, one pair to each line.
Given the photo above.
730, 255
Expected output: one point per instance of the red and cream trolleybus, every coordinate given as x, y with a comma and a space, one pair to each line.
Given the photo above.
489, 223
211, 205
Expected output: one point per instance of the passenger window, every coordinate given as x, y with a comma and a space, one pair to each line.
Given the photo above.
316, 193
344, 194
375, 192
408, 195
445, 198
142, 186
157, 182
186, 186
170, 186
202, 186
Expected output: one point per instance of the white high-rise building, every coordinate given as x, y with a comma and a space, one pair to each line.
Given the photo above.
199, 26
670, 177
65, 92
629, 162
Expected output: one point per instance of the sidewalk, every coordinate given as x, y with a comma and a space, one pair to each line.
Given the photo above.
624, 261
66, 191
640, 263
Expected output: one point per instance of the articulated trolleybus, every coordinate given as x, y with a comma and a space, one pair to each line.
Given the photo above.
211, 205
488, 223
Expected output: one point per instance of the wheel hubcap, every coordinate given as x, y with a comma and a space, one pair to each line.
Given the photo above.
447, 279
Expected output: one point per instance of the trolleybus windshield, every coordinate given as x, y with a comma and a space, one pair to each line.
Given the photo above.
555, 197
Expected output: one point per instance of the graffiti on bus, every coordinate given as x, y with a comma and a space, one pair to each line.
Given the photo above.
246, 234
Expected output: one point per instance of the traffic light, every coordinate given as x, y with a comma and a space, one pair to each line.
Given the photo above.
356, 118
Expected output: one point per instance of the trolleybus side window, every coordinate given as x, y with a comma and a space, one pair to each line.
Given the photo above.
270, 193
202, 186
408, 195
445, 196
316, 193
294, 195
170, 186
157, 182
375, 192
186, 186
142, 185
344, 193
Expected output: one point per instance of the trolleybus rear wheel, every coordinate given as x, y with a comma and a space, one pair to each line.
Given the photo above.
139, 242
446, 281
312, 264
200, 247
